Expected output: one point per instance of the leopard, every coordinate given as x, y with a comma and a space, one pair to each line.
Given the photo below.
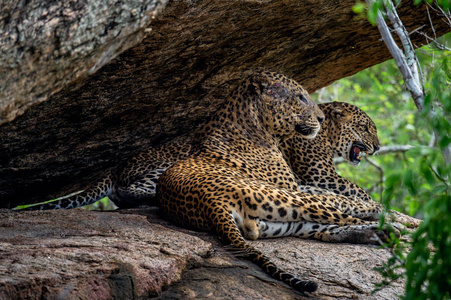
235, 180
129, 185
238, 185
347, 132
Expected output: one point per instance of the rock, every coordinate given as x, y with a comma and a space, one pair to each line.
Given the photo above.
91, 255
79, 254
47, 45
179, 68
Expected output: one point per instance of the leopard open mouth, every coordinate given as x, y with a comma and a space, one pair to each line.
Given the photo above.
358, 150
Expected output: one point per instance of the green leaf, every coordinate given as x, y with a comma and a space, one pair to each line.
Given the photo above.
373, 12
359, 8
409, 182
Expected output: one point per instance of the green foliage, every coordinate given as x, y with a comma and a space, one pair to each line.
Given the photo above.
393, 268
102, 204
380, 92
31, 205
429, 262
445, 4
416, 182
48, 201
370, 11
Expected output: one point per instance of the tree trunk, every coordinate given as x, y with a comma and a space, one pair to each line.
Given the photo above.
96, 107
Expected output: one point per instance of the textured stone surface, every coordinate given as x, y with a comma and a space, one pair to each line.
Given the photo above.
91, 255
47, 44
80, 254
192, 54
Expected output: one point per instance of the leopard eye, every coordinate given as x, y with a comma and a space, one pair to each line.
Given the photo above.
364, 128
302, 98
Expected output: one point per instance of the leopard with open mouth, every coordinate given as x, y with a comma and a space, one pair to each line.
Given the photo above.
347, 132
234, 180
238, 185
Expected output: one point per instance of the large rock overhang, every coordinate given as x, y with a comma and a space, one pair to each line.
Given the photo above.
183, 65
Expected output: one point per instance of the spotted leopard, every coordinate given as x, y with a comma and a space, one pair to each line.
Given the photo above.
237, 181
238, 185
347, 132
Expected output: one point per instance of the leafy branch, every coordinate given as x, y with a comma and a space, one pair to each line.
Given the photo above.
426, 270
406, 60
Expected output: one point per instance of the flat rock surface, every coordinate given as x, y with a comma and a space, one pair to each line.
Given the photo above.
79, 254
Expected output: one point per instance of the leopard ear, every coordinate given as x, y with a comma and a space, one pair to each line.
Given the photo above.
258, 87
263, 85
258, 83
339, 112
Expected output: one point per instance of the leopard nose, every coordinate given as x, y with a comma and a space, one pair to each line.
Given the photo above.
320, 119
376, 147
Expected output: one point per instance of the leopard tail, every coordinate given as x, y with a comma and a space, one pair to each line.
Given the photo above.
230, 234
101, 189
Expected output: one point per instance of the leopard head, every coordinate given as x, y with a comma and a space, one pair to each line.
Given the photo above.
285, 107
352, 131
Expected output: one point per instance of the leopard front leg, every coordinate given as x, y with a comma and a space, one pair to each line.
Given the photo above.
323, 217
355, 234
368, 210
408, 221
271, 212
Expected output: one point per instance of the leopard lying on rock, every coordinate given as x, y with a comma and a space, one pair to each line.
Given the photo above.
236, 181
238, 185
347, 132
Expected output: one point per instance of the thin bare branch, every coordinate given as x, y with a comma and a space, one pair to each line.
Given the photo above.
414, 86
417, 29
396, 256
406, 61
394, 149
437, 44
441, 178
409, 50
447, 15
384, 150
430, 22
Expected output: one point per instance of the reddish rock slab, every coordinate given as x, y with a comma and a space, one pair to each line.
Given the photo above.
79, 254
